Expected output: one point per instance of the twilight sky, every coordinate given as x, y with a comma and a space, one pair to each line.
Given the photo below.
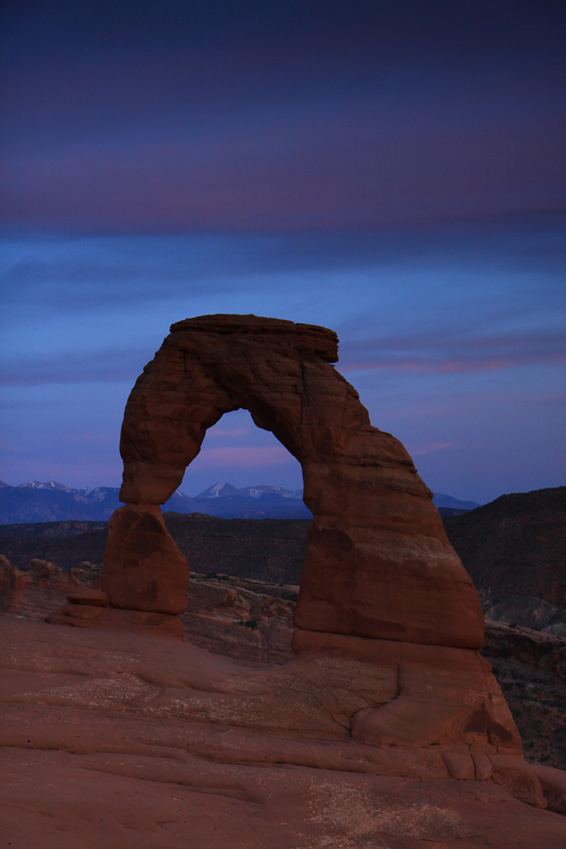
392, 170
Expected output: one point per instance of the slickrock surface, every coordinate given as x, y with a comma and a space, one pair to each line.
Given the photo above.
252, 622
241, 618
130, 741
41, 588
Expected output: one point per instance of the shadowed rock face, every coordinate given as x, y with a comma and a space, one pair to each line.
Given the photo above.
378, 563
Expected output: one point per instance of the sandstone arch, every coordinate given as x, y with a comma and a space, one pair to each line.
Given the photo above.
378, 563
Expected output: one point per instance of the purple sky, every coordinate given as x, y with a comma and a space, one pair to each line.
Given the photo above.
392, 170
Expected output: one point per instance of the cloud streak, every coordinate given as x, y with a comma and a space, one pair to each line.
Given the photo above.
244, 457
409, 177
438, 354
67, 275
109, 366
288, 120
411, 354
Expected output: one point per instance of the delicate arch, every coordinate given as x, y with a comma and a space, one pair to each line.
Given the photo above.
378, 563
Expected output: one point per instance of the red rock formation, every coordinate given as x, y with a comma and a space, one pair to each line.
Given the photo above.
378, 563
39, 590
240, 618
384, 599
13, 583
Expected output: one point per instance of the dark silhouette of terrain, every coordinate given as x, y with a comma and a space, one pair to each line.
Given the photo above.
514, 549
265, 549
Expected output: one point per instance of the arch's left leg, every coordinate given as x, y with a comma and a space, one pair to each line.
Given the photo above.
143, 568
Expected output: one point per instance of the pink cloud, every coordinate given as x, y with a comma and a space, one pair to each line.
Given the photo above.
427, 365
277, 178
445, 355
250, 457
228, 433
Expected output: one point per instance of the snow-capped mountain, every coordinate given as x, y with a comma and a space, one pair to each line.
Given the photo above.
52, 485
51, 501
227, 490
218, 490
259, 491
250, 502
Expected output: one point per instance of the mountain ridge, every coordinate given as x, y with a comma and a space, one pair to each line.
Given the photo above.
46, 501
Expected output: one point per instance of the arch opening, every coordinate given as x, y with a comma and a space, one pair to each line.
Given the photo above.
245, 475
236, 451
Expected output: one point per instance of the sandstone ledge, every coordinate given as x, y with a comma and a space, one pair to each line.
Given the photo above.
129, 741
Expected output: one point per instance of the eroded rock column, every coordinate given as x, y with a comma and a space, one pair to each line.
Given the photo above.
143, 568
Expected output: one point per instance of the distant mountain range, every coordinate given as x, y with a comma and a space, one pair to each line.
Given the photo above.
50, 501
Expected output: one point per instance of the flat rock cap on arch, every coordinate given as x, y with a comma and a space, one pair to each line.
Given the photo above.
308, 337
